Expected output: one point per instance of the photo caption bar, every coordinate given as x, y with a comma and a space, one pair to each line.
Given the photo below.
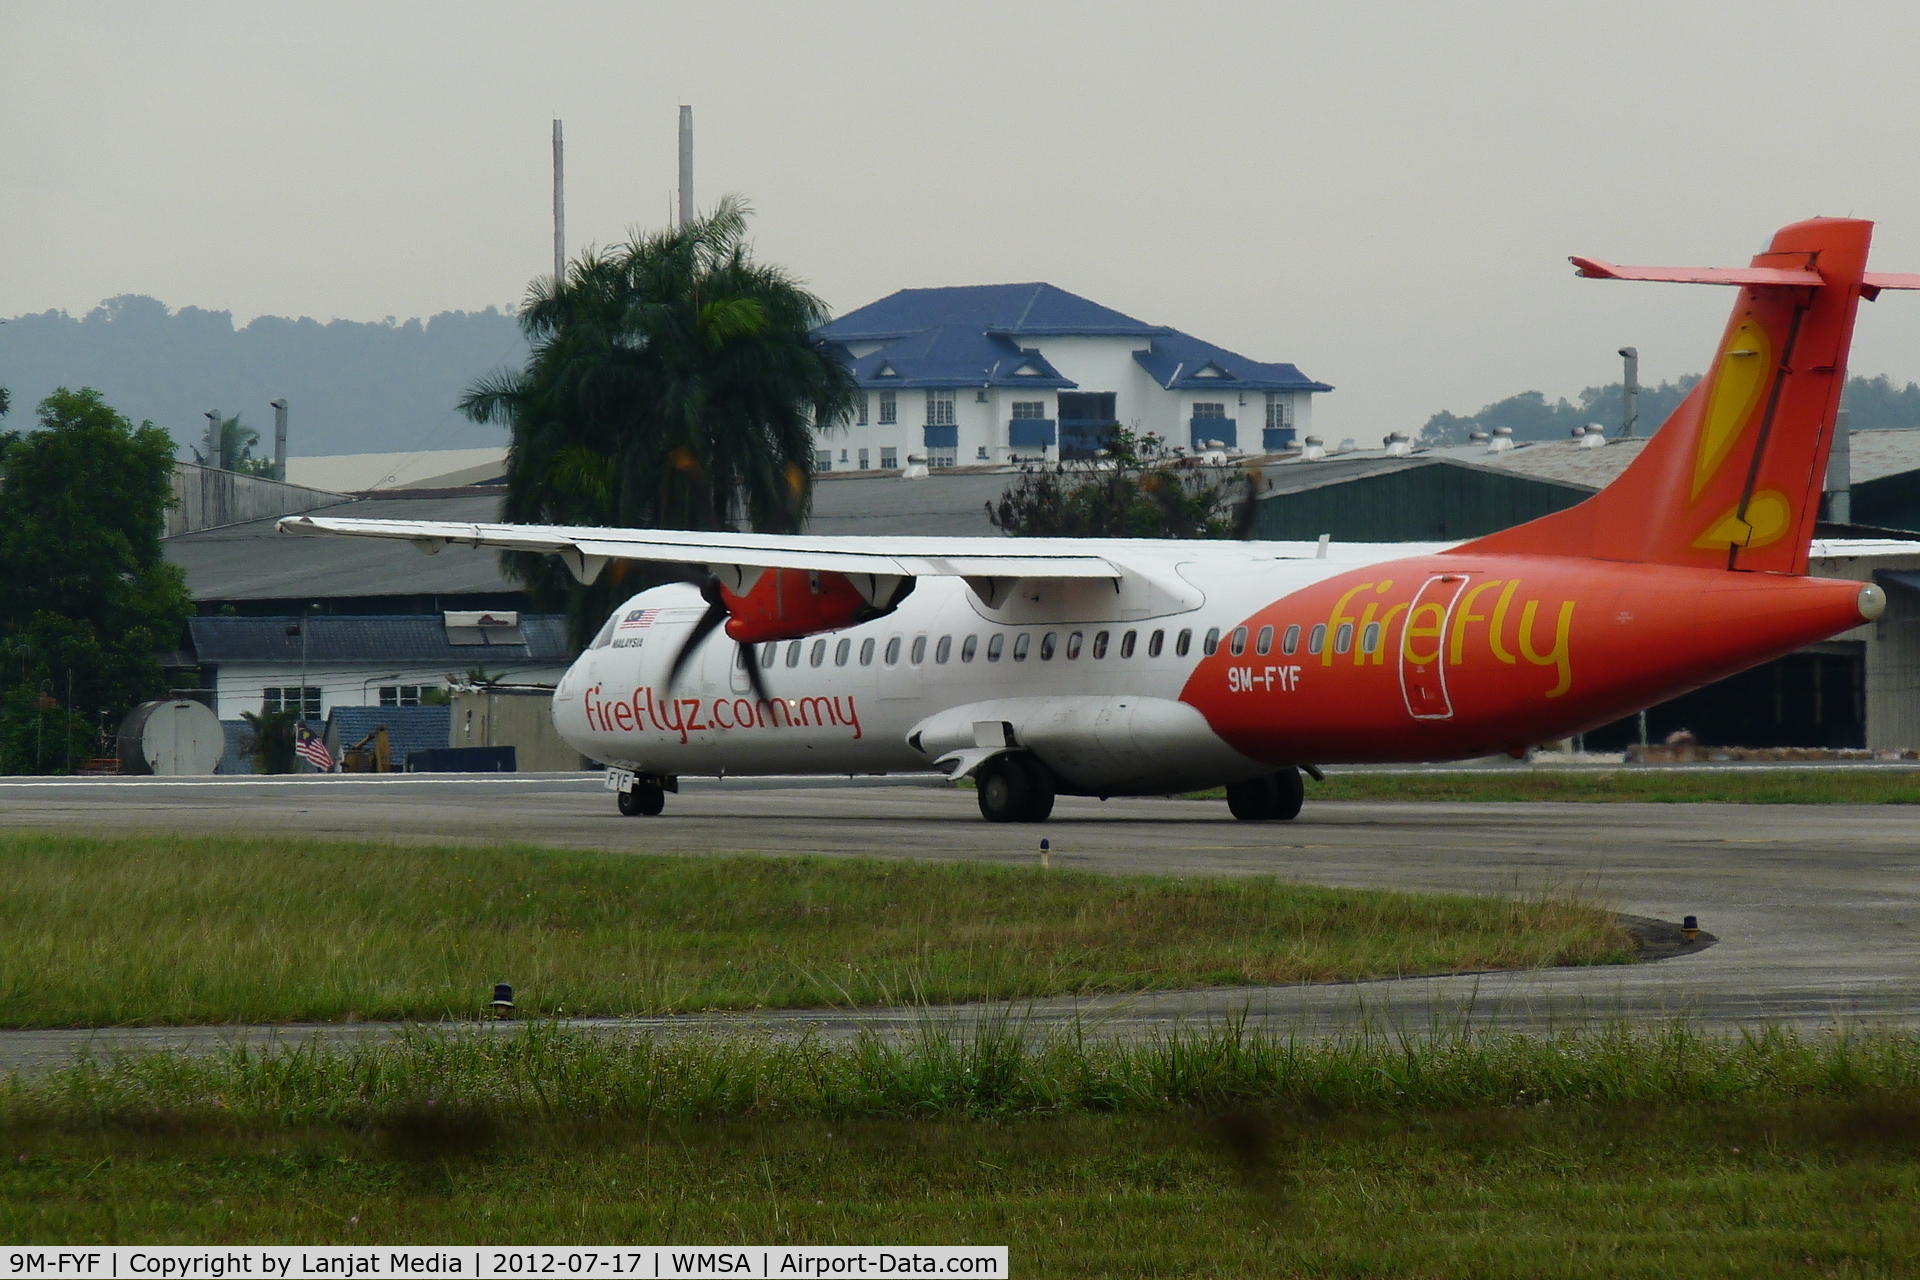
288, 1262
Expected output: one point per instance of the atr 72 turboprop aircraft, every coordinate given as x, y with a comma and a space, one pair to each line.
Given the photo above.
1142, 667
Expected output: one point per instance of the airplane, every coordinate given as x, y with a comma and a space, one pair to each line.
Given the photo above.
1114, 667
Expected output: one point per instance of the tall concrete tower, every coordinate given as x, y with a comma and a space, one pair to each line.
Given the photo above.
559, 207
686, 165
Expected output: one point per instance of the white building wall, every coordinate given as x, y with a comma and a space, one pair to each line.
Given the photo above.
240, 686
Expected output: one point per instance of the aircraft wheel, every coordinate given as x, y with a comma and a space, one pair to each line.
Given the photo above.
1003, 789
1254, 800
1289, 794
1040, 790
644, 801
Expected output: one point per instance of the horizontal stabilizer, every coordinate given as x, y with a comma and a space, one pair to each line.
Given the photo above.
1874, 281
1594, 269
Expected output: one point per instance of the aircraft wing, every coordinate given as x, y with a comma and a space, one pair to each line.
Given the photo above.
587, 551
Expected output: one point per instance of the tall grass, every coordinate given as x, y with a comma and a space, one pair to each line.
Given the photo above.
551, 1073
1644, 785
168, 929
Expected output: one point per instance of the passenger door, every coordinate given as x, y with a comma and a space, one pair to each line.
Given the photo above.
1423, 647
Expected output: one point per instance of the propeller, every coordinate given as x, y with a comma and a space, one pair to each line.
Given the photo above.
715, 615
1249, 505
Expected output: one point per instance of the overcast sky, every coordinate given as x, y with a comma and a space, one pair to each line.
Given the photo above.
1382, 194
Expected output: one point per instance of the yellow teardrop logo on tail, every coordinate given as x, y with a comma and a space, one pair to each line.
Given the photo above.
1768, 516
1745, 366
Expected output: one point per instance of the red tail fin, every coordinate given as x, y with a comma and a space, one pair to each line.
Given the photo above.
1733, 479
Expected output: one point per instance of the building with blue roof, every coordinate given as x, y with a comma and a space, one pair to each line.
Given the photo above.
987, 375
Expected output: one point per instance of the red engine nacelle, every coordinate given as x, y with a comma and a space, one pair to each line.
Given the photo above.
786, 604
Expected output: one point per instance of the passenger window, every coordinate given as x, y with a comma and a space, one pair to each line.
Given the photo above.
919, 650
1239, 642
1020, 647
1126, 643
1290, 641
1317, 638
995, 643
1263, 644
1073, 646
767, 651
1185, 642
1099, 644
1370, 638
969, 647
866, 652
893, 650
943, 650
793, 654
819, 653
841, 650
742, 655
1156, 642
1343, 638
1048, 643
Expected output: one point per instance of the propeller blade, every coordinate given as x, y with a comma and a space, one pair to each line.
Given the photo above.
752, 664
715, 615
1249, 506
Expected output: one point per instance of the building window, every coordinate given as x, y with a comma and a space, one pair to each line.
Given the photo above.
1029, 408
399, 695
1279, 410
889, 410
823, 460
287, 698
843, 455
889, 459
981, 453
939, 408
1210, 410
937, 458
862, 419
863, 460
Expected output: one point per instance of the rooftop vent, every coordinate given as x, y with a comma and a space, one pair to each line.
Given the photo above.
1593, 436
1502, 440
1476, 437
1313, 448
1398, 445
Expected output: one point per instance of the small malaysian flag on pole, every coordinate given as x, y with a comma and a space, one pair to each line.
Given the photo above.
311, 749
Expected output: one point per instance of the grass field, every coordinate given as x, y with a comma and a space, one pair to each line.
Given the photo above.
1726, 786
165, 929
1656, 1154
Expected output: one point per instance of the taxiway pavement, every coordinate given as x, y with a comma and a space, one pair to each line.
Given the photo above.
1816, 907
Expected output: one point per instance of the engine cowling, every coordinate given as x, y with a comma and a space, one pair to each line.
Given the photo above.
785, 604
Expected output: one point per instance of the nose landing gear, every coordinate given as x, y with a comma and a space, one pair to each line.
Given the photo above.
1275, 797
642, 800
1015, 789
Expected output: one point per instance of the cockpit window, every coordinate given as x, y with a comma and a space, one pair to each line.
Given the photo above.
605, 637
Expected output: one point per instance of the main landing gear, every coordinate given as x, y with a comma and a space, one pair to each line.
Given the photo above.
1277, 796
643, 800
1015, 789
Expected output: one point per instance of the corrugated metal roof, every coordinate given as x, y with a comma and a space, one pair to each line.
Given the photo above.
254, 562
1035, 308
347, 638
1875, 455
408, 728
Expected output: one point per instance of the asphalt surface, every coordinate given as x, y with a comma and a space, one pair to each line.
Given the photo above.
1816, 909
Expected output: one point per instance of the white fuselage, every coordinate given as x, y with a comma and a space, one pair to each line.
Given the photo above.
847, 702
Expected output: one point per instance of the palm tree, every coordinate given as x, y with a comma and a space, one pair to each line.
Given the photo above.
236, 449
672, 384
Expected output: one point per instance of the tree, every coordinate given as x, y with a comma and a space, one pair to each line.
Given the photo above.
1131, 490
236, 450
270, 740
1530, 417
83, 588
672, 384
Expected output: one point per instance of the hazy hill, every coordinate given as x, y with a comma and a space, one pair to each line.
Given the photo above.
351, 387
1873, 404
